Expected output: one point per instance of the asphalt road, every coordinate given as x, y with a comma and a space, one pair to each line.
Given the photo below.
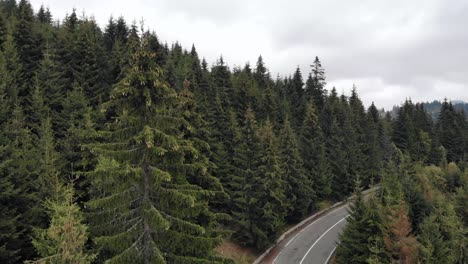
316, 242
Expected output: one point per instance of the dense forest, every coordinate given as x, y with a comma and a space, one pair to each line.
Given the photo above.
119, 148
434, 108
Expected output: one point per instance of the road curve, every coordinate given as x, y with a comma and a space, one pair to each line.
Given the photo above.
315, 243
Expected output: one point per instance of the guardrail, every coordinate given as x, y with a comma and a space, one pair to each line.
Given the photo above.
308, 220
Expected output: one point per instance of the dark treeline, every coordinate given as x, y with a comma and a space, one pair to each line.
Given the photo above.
118, 148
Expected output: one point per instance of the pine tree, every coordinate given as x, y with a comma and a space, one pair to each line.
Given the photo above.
434, 248
241, 186
300, 191
44, 15
3, 30
372, 147
450, 131
80, 131
295, 92
315, 85
154, 210
19, 171
313, 153
333, 132
13, 69
88, 64
363, 223
270, 202
27, 43
197, 133
65, 239
49, 92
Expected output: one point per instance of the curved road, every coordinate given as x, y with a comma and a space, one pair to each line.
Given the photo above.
315, 243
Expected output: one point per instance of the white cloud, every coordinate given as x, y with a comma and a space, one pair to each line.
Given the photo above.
391, 50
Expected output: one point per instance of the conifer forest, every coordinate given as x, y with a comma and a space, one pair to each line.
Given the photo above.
116, 147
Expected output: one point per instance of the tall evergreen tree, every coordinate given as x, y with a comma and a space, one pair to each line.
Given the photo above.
19, 171
363, 223
155, 210
270, 202
315, 85
295, 93
313, 153
300, 192
27, 42
65, 239
13, 69
241, 187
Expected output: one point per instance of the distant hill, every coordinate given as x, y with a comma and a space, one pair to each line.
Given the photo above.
434, 107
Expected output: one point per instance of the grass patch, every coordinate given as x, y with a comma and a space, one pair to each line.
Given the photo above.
324, 204
238, 253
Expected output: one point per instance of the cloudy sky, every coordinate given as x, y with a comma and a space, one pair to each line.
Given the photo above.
391, 50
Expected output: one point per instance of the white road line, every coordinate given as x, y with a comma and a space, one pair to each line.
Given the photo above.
295, 236
329, 256
302, 260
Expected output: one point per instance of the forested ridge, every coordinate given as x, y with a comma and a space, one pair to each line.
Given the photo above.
116, 147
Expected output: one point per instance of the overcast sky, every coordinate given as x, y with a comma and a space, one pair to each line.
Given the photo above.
391, 50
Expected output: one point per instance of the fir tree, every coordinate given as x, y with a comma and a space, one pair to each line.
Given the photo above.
315, 85
13, 69
27, 42
241, 186
65, 239
297, 101
270, 202
19, 177
155, 210
363, 223
300, 191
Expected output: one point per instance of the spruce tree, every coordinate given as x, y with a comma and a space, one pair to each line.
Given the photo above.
315, 85
19, 171
313, 153
64, 241
299, 192
450, 132
339, 181
13, 69
269, 201
295, 93
3, 30
363, 223
241, 185
155, 211
372, 146
27, 42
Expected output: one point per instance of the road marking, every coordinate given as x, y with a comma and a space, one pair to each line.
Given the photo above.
316, 241
295, 236
329, 256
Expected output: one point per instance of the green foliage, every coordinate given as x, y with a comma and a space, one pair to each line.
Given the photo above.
364, 225
313, 153
168, 153
65, 239
269, 202
155, 210
299, 192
